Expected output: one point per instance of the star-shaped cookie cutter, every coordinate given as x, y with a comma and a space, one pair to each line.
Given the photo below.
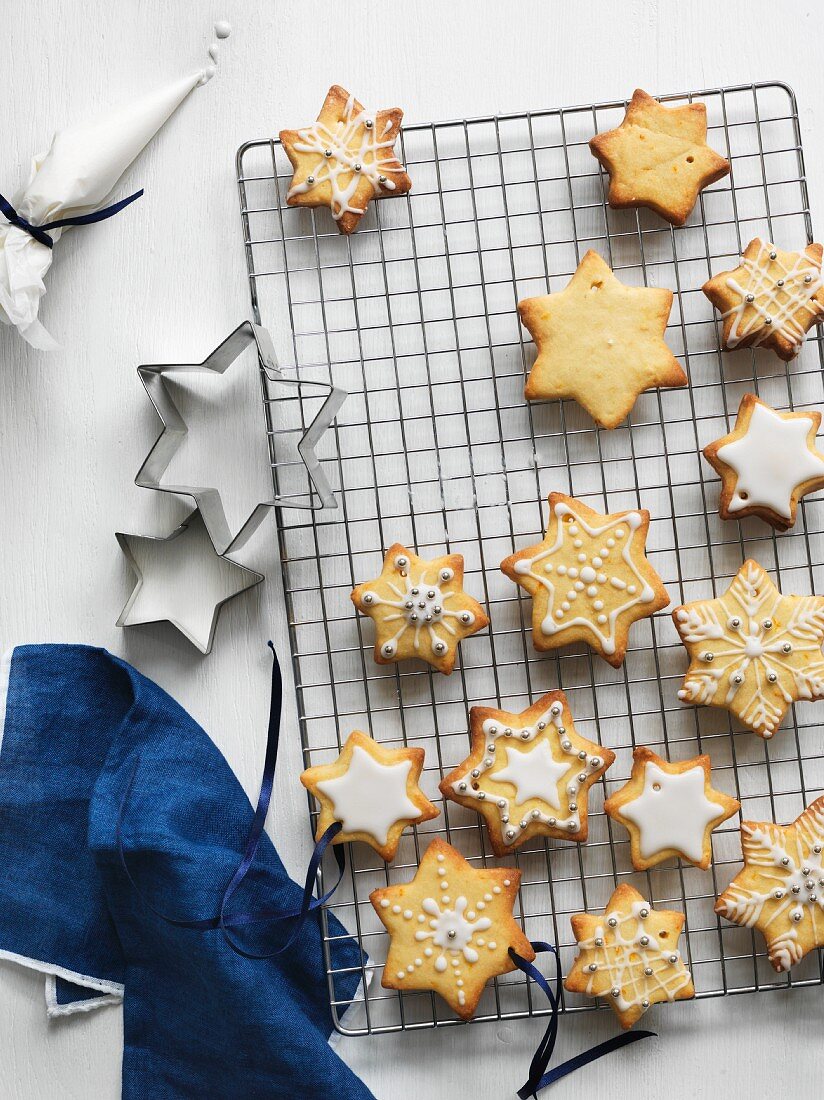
207, 498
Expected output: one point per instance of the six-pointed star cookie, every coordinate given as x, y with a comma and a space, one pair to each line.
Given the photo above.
528, 774
345, 159
419, 608
767, 463
780, 890
771, 299
600, 342
659, 157
589, 578
629, 956
669, 810
753, 651
451, 927
373, 791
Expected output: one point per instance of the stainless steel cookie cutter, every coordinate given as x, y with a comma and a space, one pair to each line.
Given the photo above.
208, 499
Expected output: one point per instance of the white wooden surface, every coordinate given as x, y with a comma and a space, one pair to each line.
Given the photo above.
167, 279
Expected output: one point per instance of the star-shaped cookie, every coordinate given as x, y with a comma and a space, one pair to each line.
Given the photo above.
373, 791
419, 608
669, 810
767, 463
589, 578
451, 927
345, 159
629, 956
528, 774
658, 157
753, 651
600, 342
780, 890
771, 299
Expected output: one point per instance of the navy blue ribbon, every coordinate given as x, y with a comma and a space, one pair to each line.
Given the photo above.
39, 231
539, 1076
223, 920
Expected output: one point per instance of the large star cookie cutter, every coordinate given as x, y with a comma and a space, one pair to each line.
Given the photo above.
207, 498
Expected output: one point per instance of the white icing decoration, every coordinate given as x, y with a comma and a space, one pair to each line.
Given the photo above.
766, 847
779, 304
623, 527
770, 461
535, 773
618, 952
371, 797
755, 653
672, 811
339, 169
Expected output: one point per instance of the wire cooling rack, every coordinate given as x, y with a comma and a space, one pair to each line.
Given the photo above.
436, 448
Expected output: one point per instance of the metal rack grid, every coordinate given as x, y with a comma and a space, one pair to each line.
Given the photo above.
436, 448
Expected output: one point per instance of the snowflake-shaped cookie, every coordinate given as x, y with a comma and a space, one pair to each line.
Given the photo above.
528, 774
451, 927
589, 578
771, 299
752, 650
419, 608
629, 956
345, 159
780, 890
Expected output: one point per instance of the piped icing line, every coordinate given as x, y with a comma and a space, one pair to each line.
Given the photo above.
344, 167
773, 303
499, 735
589, 574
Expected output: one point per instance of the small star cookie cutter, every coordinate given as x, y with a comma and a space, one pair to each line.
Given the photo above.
207, 498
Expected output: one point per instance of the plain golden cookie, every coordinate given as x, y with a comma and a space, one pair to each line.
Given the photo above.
600, 342
451, 928
659, 158
528, 774
629, 956
589, 578
373, 791
753, 651
345, 159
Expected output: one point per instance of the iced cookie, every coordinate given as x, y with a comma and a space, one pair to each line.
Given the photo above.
771, 299
767, 463
345, 159
419, 608
589, 579
658, 157
528, 774
780, 890
451, 928
669, 810
373, 791
753, 651
629, 956
600, 342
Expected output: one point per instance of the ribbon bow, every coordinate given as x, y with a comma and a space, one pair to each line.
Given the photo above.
39, 231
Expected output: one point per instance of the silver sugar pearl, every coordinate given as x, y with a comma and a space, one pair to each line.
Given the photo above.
437, 609
573, 806
440, 647
413, 617
817, 849
462, 786
430, 595
798, 916
421, 604
734, 623
501, 803
572, 826
785, 861
510, 833
773, 255
582, 755
368, 123
772, 677
645, 1003
542, 725
644, 941
466, 617
409, 605
505, 819
566, 745
446, 575
616, 992
487, 763
612, 922
786, 648
648, 971
708, 656
415, 591
536, 813
523, 824
599, 942
778, 894
524, 735
796, 889
356, 167
805, 871
451, 934
310, 180
767, 624
673, 959
490, 747
643, 913
593, 967
595, 762
427, 618
750, 297
475, 773
481, 795
327, 152
553, 821
561, 731
808, 278
368, 598
381, 179
780, 282
582, 778
508, 732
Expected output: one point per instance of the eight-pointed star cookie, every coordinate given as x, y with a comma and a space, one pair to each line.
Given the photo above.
589, 578
419, 608
753, 651
669, 809
451, 927
373, 791
771, 299
629, 956
528, 774
767, 463
780, 890
345, 159
658, 157
600, 342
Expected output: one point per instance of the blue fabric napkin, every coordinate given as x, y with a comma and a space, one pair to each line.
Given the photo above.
200, 1020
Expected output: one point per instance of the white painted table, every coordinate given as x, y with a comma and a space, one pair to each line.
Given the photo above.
167, 279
